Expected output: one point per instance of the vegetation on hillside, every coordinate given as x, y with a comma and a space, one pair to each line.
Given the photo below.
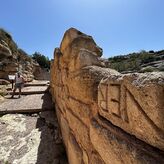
135, 62
43, 61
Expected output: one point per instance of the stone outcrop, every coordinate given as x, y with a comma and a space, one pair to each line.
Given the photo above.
41, 73
13, 59
105, 116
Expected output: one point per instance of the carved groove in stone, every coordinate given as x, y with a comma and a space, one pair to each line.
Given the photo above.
75, 99
120, 106
115, 110
153, 125
124, 104
112, 104
77, 118
103, 103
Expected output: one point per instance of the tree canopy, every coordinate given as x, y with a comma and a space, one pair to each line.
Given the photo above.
42, 60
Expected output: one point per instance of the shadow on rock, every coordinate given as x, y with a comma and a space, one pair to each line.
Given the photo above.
51, 149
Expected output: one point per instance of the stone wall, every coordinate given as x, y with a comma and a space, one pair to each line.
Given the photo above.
104, 116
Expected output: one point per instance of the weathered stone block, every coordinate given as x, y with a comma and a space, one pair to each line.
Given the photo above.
80, 131
84, 58
130, 108
80, 109
83, 84
116, 146
75, 40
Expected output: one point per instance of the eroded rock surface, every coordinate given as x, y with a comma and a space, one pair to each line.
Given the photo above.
13, 59
135, 104
104, 116
30, 139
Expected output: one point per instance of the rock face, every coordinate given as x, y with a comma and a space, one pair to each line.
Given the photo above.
13, 59
104, 116
41, 73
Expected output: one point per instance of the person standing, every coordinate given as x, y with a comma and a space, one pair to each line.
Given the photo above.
19, 81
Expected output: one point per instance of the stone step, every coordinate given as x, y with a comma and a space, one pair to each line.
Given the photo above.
20, 111
37, 83
33, 84
27, 104
32, 90
28, 92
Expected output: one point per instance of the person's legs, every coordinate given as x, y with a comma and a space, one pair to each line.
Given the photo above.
19, 92
13, 92
12, 82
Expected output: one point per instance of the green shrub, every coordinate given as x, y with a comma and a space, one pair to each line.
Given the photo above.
43, 61
148, 69
134, 61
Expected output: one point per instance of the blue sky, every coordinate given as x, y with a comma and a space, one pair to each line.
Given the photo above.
118, 26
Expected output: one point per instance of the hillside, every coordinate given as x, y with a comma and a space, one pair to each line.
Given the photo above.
13, 59
138, 62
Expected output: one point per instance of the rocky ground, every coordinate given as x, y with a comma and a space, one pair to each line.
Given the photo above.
27, 136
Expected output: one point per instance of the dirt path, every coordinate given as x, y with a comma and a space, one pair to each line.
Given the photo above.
30, 104
30, 137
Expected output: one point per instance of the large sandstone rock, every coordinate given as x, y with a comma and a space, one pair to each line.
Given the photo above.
104, 116
74, 40
135, 105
